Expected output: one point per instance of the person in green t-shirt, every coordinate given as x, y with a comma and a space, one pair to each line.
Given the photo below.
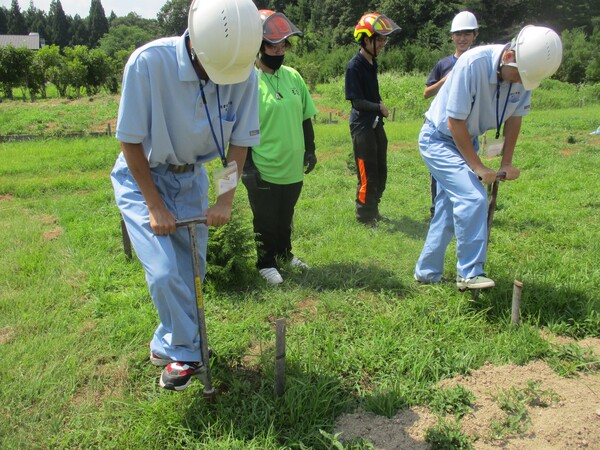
274, 170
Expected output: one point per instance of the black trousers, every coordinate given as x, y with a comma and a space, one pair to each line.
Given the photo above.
370, 156
273, 209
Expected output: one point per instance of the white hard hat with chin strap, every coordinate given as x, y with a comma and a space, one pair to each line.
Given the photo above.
538, 53
225, 37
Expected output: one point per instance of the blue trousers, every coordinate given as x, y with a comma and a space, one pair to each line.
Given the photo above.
460, 209
167, 260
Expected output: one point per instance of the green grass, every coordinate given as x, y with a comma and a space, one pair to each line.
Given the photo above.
75, 315
514, 403
58, 116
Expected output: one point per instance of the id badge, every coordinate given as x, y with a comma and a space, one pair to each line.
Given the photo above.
493, 147
226, 179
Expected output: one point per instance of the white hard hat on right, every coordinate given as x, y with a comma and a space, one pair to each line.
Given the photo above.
538, 53
464, 21
225, 36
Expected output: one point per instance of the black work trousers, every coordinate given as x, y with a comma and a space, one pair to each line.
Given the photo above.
273, 209
370, 155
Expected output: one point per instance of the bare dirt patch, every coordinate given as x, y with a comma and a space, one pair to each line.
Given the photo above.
53, 234
570, 422
6, 335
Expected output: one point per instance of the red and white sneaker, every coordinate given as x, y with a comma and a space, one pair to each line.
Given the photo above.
159, 361
178, 375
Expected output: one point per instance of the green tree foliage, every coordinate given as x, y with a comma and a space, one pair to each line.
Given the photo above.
97, 23
36, 20
577, 55
3, 20
76, 67
581, 59
35, 81
132, 19
48, 58
320, 56
592, 71
172, 17
79, 31
417, 18
98, 68
16, 21
58, 25
14, 66
124, 37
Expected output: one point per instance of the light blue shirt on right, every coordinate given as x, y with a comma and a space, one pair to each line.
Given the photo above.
471, 94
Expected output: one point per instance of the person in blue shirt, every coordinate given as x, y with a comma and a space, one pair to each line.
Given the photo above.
183, 100
369, 140
463, 31
489, 88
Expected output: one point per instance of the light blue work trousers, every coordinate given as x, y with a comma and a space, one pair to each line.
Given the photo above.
460, 209
167, 260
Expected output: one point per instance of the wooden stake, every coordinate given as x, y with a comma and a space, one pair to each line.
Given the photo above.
280, 357
516, 303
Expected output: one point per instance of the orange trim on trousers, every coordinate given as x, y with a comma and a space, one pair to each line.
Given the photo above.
362, 191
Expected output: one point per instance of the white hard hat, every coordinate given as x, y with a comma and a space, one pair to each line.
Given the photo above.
538, 53
464, 21
225, 36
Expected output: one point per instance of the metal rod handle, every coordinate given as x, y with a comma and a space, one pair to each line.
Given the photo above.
191, 226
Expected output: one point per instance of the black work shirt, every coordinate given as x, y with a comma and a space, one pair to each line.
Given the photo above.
362, 83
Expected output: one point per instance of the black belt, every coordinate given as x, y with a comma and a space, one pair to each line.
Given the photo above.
181, 169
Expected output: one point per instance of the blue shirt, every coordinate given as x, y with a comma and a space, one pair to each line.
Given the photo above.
442, 67
162, 107
470, 91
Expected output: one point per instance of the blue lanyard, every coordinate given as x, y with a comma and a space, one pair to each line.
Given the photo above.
220, 148
501, 119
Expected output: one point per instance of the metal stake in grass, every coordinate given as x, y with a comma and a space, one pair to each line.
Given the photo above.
280, 357
204, 374
492, 206
516, 303
126, 240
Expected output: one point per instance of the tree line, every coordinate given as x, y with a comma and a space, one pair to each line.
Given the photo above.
88, 54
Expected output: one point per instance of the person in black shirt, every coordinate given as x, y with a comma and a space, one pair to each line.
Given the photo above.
369, 140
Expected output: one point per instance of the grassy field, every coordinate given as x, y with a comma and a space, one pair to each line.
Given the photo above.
75, 315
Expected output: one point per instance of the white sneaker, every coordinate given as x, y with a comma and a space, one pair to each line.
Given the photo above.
299, 264
272, 275
478, 282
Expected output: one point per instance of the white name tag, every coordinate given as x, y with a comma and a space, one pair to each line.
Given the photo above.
227, 178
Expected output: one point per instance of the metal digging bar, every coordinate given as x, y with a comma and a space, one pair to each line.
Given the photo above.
204, 373
490, 215
492, 206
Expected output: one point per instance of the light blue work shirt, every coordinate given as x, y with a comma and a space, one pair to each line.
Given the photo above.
471, 90
163, 108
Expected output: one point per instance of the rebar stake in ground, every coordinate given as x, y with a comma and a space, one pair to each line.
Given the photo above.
280, 357
516, 303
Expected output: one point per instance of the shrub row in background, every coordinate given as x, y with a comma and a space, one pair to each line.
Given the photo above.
404, 92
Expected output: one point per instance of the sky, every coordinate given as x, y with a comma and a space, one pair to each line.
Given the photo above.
148, 9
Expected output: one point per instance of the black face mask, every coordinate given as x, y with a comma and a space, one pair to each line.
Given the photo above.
272, 62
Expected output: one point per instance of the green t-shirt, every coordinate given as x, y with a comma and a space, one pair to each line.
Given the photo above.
280, 155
